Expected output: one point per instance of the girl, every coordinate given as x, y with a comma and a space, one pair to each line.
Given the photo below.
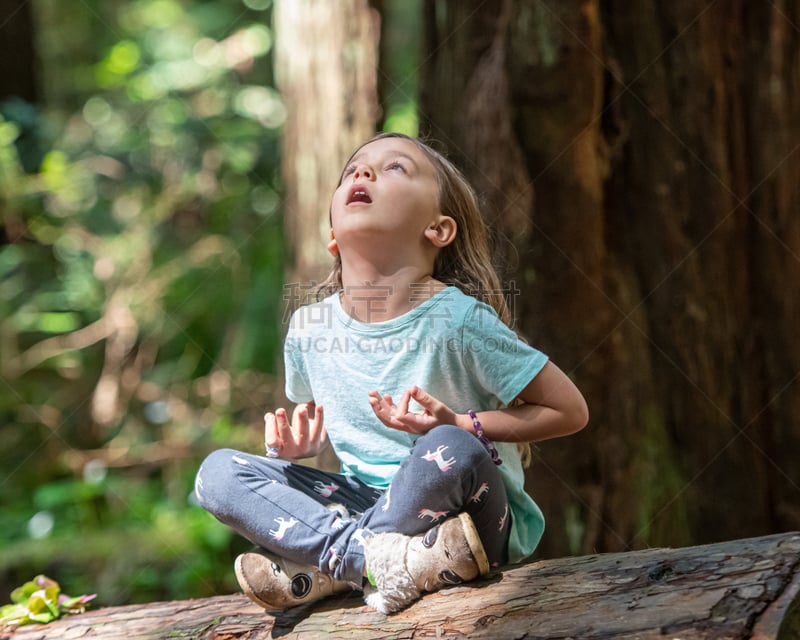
418, 373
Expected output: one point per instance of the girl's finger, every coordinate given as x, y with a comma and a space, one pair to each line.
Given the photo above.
433, 406
272, 441
402, 407
380, 402
283, 426
375, 401
425, 399
300, 425
316, 431
271, 437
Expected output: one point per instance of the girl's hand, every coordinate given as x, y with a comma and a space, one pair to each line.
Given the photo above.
303, 438
398, 416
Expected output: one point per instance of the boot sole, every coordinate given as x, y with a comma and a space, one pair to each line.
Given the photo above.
474, 542
245, 586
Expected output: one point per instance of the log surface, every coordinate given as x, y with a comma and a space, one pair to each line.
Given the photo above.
739, 589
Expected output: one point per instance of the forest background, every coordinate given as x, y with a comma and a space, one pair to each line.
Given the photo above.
165, 169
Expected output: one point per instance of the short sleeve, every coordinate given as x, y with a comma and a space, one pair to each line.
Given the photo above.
298, 388
499, 360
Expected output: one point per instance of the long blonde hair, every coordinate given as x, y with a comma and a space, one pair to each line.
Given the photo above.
465, 263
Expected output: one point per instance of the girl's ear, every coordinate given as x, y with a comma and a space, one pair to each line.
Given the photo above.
442, 231
333, 246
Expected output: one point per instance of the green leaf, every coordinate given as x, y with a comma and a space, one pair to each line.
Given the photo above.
37, 604
42, 618
39, 601
21, 594
12, 613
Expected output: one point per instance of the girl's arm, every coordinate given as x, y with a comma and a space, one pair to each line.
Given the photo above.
551, 406
305, 437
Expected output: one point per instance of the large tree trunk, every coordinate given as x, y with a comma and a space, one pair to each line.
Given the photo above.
659, 253
741, 589
326, 66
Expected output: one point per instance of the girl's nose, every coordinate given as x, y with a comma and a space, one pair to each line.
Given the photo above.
364, 172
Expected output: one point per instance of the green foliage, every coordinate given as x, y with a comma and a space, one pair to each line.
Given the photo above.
39, 601
141, 269
402, 41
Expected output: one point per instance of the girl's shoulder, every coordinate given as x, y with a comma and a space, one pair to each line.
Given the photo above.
314, 315
465, 310
454, 300
473, 308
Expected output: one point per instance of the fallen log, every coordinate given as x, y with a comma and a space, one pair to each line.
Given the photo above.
739, 589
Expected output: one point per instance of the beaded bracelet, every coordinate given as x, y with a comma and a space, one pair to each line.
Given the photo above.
483, 439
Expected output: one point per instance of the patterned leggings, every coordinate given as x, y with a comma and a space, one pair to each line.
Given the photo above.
282, 507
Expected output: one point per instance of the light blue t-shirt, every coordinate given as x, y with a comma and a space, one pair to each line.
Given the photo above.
452, 346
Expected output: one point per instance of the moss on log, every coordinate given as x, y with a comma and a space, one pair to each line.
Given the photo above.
739, 589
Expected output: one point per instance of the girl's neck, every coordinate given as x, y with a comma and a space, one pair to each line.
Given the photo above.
377, 297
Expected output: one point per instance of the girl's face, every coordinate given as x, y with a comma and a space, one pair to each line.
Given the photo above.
389, 190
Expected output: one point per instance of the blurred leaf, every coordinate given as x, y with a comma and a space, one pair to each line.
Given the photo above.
39, 601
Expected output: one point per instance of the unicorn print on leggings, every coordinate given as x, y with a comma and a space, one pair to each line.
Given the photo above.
478, 496
283, 526
325, 490
438, 457
435, 516
503, 519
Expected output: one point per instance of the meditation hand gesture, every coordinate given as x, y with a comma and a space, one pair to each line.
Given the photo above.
303, 438
397, 416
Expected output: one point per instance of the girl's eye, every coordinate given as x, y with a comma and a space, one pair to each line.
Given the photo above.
349, 170
396, 166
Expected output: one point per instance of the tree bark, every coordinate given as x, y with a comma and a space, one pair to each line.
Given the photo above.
18, 59
741, 589
326, 62
655, 244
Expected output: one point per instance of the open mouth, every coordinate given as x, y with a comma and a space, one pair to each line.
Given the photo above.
358, 193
